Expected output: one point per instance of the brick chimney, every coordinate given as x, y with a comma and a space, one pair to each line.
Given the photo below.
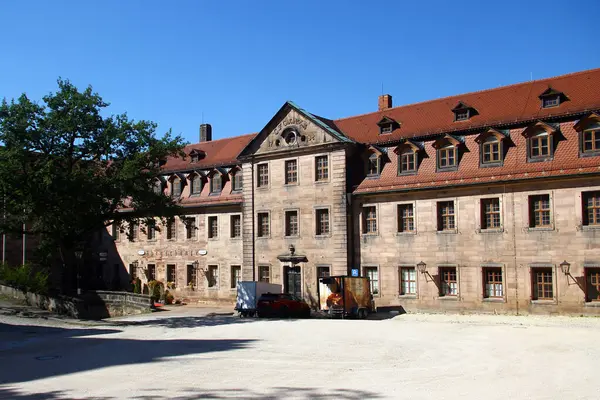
385, 102
205, 133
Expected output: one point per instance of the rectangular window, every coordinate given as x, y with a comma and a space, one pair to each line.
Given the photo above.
550, 101
493, 287
190, 228
191, 275
238, 181
196, 184
447, 157
446, 216
373, 165
542, 284
151, 230
116, 233
263, 224
461, 115
591, 208
408, 280
171, 273
262, 179
171, 229
373, 274
264, 273
539, 211
322, 215
490, 213
369, 219
592, 278
406, 218
151, 272
539, 146
236, 275
212, 276
213, 227
387, 128
291, 172
491, 152
321, 168
408, 162
236, 226
133, 231
591, 141
176, 187
216, 183
322, 272
291, 223
449, 283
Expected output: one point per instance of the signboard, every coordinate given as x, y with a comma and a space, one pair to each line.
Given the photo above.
354, 272
141, 252
202, 252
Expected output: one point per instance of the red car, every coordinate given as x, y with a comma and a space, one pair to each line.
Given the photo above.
282, 305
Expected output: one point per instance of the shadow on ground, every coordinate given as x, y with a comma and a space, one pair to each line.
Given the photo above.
30, 352
194, 394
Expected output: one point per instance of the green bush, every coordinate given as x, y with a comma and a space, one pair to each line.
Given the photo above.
157, 289
137, 286
24, 278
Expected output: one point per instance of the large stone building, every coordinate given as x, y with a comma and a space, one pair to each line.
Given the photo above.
486, 201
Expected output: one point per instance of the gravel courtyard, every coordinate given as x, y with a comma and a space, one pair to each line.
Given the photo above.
186, 354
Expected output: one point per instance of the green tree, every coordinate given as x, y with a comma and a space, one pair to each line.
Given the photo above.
67, 171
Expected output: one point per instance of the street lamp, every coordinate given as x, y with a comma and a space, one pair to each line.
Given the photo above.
79, 256
565, 267
422, 267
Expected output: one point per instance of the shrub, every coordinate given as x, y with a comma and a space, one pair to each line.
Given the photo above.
156, 289
137, 286
23, 278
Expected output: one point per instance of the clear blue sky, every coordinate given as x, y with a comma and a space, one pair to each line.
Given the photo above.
236, 62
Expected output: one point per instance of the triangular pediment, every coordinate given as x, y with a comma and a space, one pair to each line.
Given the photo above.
293, 128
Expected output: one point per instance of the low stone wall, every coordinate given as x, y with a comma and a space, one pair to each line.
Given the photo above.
91, 305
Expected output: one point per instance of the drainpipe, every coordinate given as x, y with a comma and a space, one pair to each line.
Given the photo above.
253, 239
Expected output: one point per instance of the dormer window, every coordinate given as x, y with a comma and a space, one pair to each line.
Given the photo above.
176, 187
540, 142
589, 135
196, 155
373, 165
216, 183
552, 98
463, 112
447, 153
387, 125
491, 148
408, 158
237, 180
196, 184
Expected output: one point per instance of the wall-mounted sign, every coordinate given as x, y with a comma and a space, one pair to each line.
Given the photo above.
354, 272
202, 252
141, 252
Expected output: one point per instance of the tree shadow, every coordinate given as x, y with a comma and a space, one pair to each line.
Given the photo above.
37, 352
194, 322
276, 393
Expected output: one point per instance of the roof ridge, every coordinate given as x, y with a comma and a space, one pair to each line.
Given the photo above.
225, 138
472, 93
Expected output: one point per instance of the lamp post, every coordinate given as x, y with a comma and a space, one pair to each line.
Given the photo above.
565, 267
422, 267
196, 266
78, 255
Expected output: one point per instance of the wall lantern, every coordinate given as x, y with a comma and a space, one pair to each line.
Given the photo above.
422, 267
196, 264
565, 267
292, 249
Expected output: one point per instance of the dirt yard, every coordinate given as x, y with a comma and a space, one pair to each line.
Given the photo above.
189, 355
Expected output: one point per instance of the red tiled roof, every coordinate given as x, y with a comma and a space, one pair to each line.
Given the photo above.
503, 105
221, 152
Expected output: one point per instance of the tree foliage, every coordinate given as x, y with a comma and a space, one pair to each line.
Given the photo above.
67, 171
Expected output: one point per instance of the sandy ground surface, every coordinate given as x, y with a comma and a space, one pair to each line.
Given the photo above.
192, 353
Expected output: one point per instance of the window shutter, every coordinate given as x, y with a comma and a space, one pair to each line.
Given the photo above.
531, 213
584, 211
482, 219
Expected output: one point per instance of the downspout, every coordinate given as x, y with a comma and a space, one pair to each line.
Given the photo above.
253, 239
514, 237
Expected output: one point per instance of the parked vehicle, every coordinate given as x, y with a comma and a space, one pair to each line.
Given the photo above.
248, 293
282, 305
345, 296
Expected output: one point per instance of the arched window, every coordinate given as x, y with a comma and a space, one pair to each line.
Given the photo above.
176, 187
196, 184
215, 183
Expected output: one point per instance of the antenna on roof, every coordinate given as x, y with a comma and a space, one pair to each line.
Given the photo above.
531, 76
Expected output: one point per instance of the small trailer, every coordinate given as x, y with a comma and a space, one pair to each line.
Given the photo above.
345, 296
248, 293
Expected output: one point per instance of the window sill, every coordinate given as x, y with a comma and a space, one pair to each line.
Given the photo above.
449, 169
213, 238
491, 231
291, 184
544, 302
590, 227
592, 304
262, 188
407, 296
214, 194
493, 300
212, 288
291, 237
407, 173
412, 233
453, 232
323, 236
541, 159
236, 191
321, 182
491, 164
448, 298
369, 234
583, 154
540, 229
263, 237
195, 195
373, 176
235, 237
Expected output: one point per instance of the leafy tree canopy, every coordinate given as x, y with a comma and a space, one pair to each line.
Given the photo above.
66, 171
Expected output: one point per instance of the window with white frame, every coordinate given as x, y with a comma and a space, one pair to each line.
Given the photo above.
373, 274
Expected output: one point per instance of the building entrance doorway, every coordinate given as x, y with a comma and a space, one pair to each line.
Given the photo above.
293, 280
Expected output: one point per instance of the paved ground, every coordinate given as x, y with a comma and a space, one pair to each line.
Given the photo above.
195, 353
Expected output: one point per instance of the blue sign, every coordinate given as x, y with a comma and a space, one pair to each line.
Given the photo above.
354, 272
